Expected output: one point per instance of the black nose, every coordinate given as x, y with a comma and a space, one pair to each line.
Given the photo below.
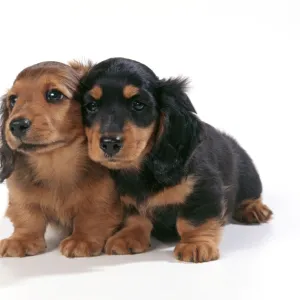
18, 127
111, 145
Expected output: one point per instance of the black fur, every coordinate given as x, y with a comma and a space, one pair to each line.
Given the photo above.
225, 173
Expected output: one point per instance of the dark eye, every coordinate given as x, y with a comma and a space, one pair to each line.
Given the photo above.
54, 95
91, 107
138, 106
12, 100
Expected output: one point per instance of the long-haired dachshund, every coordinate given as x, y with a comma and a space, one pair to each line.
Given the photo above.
176, 174
44, 158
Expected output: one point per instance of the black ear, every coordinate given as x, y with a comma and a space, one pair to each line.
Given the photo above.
179, 130
6, 154
172, 93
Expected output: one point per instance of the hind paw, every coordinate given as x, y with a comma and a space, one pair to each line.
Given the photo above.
253, 212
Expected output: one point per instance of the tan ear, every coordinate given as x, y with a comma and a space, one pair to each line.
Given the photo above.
81, 67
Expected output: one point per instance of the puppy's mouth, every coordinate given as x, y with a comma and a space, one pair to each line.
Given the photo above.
112, 159
117, 163
29, 147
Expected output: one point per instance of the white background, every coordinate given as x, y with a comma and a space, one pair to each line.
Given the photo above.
243, 59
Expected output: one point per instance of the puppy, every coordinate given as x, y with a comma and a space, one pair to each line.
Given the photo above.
44, 158
177, 175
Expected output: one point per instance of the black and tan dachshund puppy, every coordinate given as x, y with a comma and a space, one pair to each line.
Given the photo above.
176, 174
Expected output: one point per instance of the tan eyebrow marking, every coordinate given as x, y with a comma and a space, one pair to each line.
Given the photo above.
130, 91
96, 92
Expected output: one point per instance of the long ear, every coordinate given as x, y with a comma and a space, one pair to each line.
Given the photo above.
7, 158
172, 92
179, 130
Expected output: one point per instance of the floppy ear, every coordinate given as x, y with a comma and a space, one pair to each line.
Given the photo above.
6, 154
179, 130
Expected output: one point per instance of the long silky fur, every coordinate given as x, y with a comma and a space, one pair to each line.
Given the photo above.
7, 156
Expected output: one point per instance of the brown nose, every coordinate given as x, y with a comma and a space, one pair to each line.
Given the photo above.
19, 127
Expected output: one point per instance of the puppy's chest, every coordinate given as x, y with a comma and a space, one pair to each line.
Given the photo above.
59, 205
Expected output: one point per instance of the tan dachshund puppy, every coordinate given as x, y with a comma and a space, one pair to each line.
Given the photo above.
44, 158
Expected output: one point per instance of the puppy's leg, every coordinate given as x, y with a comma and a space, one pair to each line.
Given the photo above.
133, 238
29, 229
249, 206
199, 223
198, 243
93, 225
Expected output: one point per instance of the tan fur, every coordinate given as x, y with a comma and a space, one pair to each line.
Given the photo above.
50, 123
96, 92
137, 143
128, 201
253, 211
198, 243
130, 237
80, 67
129, 91
58, 183
134, 237
93, 136
173, 195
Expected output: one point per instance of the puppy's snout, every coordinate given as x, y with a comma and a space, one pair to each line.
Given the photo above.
19, 127
111, 145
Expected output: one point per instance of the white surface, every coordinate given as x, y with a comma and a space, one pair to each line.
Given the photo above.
243, 58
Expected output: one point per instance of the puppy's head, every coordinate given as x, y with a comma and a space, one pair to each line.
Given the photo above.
38, 113
130, 114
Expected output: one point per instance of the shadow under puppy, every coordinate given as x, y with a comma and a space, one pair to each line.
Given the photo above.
44, 158
176, 174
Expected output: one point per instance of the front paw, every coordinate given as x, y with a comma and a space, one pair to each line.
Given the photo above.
196, 252
127, 243
13, 247
80, 247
